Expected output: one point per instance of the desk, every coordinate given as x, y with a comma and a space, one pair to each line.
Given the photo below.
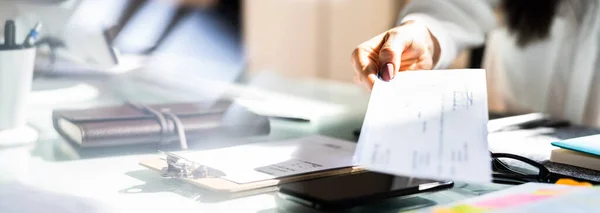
118, 181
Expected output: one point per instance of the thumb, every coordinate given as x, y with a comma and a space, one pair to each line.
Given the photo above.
390, 55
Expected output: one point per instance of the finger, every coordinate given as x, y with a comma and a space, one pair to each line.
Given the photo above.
408, 60
390, 55
368, 81
411, 54
364, 64
407, 66
423, 63
365, 58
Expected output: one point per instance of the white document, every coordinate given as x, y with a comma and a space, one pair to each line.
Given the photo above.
429, 124
276, 159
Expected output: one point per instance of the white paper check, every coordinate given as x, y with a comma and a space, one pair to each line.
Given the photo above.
429, 124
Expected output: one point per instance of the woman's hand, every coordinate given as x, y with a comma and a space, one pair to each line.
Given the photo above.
409, 46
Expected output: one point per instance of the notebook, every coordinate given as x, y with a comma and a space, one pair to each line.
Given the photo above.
124, 125
588, 144
574, 158
582, 152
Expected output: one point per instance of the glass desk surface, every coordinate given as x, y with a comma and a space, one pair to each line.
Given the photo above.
115, 180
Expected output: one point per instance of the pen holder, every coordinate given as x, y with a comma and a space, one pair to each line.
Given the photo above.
16, 75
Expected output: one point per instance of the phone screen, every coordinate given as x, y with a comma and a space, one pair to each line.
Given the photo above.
353, 188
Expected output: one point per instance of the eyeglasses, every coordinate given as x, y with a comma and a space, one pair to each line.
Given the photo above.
515, 170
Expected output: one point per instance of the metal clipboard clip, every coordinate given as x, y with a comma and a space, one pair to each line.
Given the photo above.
179, 167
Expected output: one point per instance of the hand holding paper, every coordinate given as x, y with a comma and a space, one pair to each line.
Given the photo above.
429, 124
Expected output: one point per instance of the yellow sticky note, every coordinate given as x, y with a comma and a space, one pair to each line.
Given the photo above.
460, 209
564, 181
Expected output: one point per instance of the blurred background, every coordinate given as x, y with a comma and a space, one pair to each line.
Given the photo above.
279, 58
296, 38
285, 59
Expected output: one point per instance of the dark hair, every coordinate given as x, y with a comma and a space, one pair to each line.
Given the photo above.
530, 20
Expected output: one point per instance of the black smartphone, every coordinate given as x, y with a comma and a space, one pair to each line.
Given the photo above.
346, 191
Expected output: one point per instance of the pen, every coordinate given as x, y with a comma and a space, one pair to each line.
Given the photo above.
32, 36
290, 118
9, 34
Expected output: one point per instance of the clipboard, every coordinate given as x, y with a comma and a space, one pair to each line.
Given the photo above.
171, 165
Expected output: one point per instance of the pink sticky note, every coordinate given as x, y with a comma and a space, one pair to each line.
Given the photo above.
511, 200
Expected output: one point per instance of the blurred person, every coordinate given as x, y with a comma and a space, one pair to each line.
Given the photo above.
541, 55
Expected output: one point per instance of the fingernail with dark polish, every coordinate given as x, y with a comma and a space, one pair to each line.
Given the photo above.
391, 70
387, 72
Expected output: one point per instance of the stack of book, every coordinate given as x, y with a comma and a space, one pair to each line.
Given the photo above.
581, 152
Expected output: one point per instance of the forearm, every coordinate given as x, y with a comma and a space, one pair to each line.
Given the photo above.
453, 24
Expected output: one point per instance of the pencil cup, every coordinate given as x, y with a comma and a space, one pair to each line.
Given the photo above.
16, 75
